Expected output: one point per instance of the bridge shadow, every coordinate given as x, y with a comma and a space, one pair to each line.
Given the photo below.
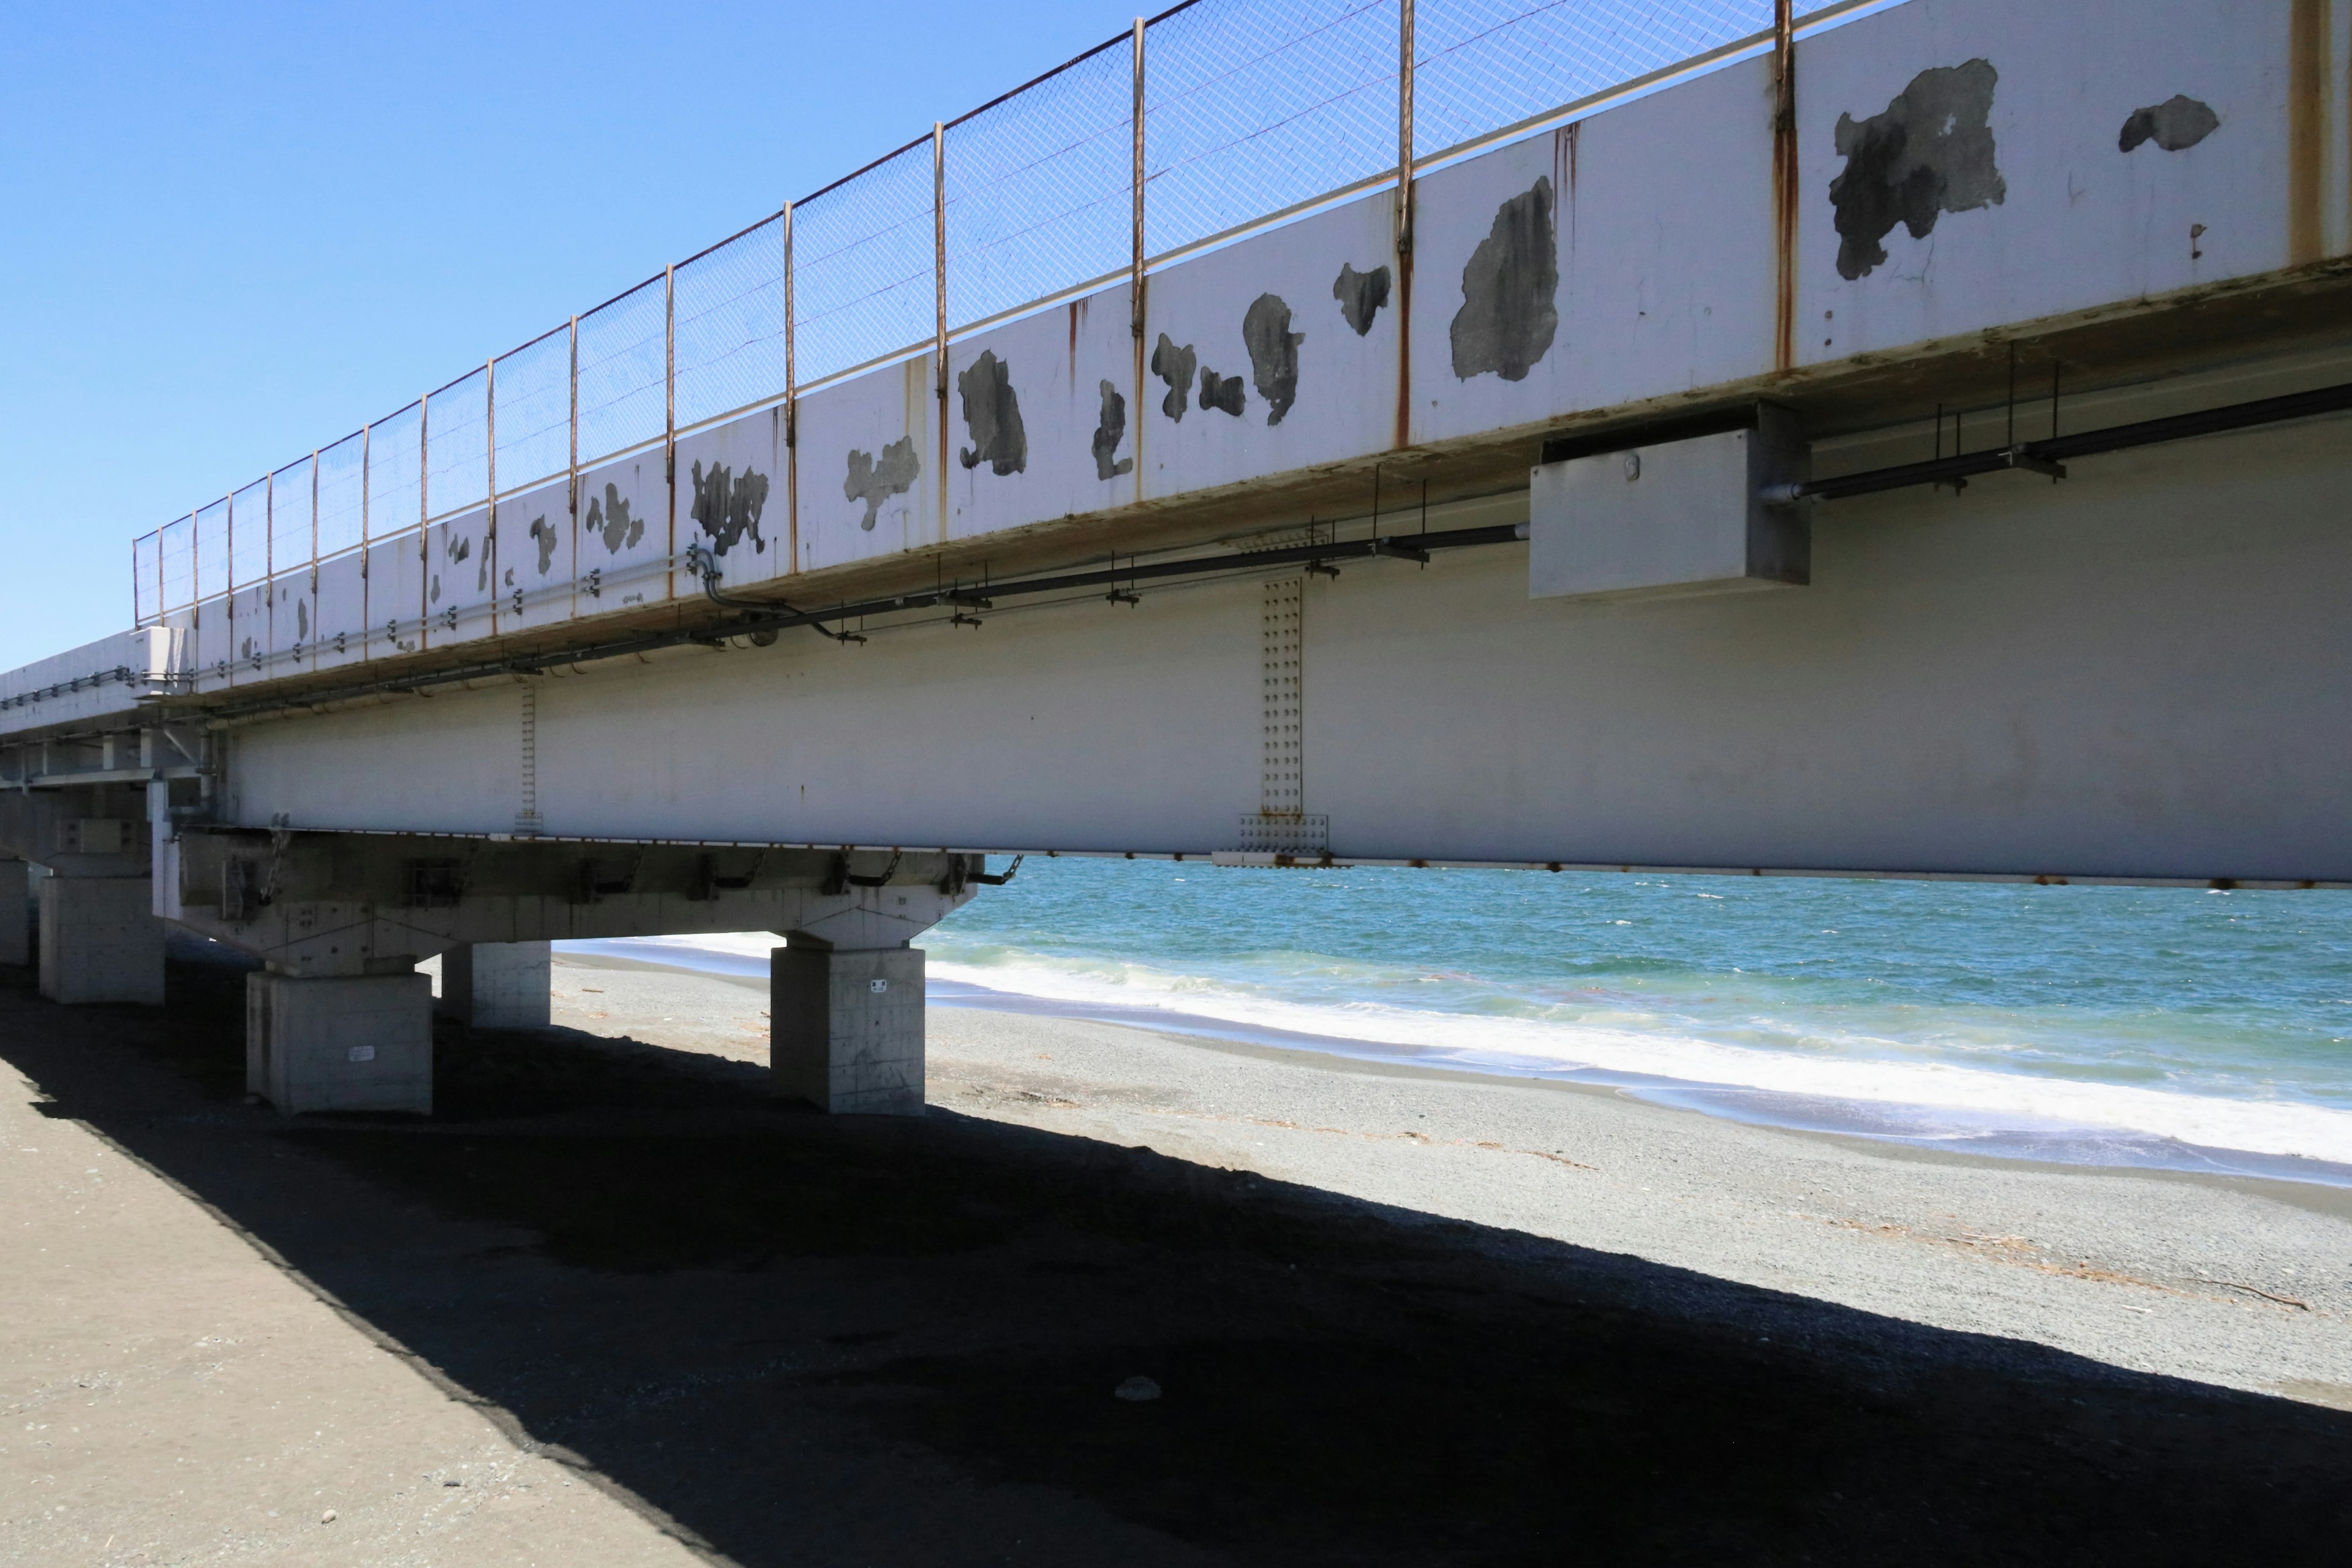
802, 1340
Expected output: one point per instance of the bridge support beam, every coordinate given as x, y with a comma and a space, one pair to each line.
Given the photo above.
496, 984
15, 912
359, 1042
100, 941
847, 1026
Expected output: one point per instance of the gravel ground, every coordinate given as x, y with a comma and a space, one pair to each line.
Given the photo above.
616, 1303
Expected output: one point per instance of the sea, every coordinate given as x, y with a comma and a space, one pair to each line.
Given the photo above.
2181, 1029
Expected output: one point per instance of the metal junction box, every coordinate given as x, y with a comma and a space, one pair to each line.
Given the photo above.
1677, 516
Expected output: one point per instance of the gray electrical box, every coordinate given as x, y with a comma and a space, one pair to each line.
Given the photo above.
1674, 518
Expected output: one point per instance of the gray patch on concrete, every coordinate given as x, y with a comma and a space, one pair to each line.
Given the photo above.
301, 619
727, 506
2176, 123
544, 537
1361, 296
609, 519
1274, 354
1109, 431
1221, 391
1174, 366
875, 483
1509, 312
992, 413
1931, 151
433, 595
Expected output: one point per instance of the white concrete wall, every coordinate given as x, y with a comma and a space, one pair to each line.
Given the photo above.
99, 941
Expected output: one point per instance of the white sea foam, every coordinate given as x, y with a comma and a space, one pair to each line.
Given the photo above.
1505, 1046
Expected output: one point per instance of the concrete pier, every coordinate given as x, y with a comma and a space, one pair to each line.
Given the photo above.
15, 912
340, 1042
496, 985
100, 941
847, 1028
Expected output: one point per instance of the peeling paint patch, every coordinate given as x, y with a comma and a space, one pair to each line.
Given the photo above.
1509, 286
875, 483
458, 547
301, 619
544, 537
609, 519
1221, 391
1361, 296
433, 594
728, 506
1109, 431
1930, 152
992, 412
1175, 366
2176, 123
1274, 354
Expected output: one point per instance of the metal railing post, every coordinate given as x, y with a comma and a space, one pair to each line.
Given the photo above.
669, 420
1405, 127
490, 482
791, 415
940, 285
1135, 284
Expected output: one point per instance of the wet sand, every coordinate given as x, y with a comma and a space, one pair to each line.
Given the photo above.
639, 1312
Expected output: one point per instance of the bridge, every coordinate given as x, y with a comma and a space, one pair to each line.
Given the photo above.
1900, 439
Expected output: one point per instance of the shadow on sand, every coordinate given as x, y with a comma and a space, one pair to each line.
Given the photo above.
798, 1340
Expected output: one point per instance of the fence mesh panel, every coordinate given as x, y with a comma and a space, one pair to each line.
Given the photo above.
290, 539
212, 550
178, 542
342, 497
1252, 106
863, 259
393, 447
248, 534
457, 445
146, 578
729, 310
623, 362
1039, 188
1482, 65
532, 392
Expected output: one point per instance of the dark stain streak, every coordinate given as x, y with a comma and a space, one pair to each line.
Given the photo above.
992, 413
2176, 123
1221, 391
1274, 354
544, 537
1109, 431
1361, 296
875, 483
728, 506
1509, 313
301, 619
1174, 366
1931, 151
609, 519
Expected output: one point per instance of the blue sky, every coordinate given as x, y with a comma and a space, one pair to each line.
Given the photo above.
238, 231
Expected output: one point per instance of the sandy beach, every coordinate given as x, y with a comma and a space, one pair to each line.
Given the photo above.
616, 1304
2241, 1282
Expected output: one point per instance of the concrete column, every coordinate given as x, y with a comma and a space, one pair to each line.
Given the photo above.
15, 913
340, 1042
847, 1028
100, 941
496, 984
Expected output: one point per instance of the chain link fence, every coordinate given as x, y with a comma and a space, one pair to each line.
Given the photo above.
531, 415
1253, 111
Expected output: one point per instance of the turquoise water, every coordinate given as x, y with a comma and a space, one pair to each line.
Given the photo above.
2217, 1019
2147, 1026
